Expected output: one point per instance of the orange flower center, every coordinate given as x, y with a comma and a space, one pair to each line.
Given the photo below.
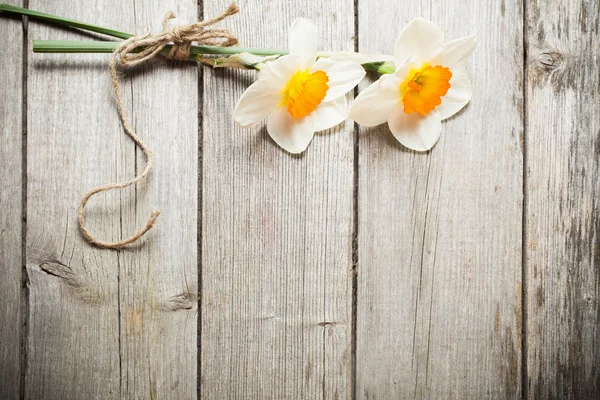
304, 92
424, 88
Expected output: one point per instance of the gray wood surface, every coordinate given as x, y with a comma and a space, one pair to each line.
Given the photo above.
159, 281
75, 142
107, 324
276, 237
439, 237
447, 243
563, 186
11, 137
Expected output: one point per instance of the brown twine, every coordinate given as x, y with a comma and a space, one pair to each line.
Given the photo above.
134, 51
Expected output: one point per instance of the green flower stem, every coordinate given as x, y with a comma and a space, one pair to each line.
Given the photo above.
77, 46
63, 21
381, 67
58, 46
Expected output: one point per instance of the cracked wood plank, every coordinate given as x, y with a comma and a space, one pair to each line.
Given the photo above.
563, 186
11, 136
276, 255
439, 271
107, 324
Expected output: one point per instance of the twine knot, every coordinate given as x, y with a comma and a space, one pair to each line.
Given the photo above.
136, 50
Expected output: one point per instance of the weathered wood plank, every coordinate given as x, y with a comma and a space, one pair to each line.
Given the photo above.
74, 143
439, 274
105, 324
563, 186
276, 237
159, 281
11, 134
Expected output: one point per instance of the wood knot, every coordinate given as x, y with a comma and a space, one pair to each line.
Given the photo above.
328, 324
183, 301
78, 284
60, 270
550, 60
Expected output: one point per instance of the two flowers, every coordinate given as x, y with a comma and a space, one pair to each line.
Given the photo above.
300, 94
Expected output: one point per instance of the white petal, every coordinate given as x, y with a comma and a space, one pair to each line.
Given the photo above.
420, 38
458, 95
277, 74
343, 75
374, 104
416, 132
331, 113
258, 101
290, 133
304, 39
455, 53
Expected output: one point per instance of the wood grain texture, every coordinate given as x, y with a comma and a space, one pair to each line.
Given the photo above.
439, 271
74, 142
439, 233
159, 280
107, 324
276, 237
563, 186
11, 136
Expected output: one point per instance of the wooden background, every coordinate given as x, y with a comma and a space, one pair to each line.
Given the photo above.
356, 270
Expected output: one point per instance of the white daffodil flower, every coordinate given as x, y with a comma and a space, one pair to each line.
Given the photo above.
299, 94
430, 84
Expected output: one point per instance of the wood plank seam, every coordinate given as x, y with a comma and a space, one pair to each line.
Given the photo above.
24, 334
200, 12
524, 286
355, 244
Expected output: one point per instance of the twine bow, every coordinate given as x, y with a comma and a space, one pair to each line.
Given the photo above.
134, 51
182, 38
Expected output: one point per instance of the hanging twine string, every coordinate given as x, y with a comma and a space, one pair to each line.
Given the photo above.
134, 51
